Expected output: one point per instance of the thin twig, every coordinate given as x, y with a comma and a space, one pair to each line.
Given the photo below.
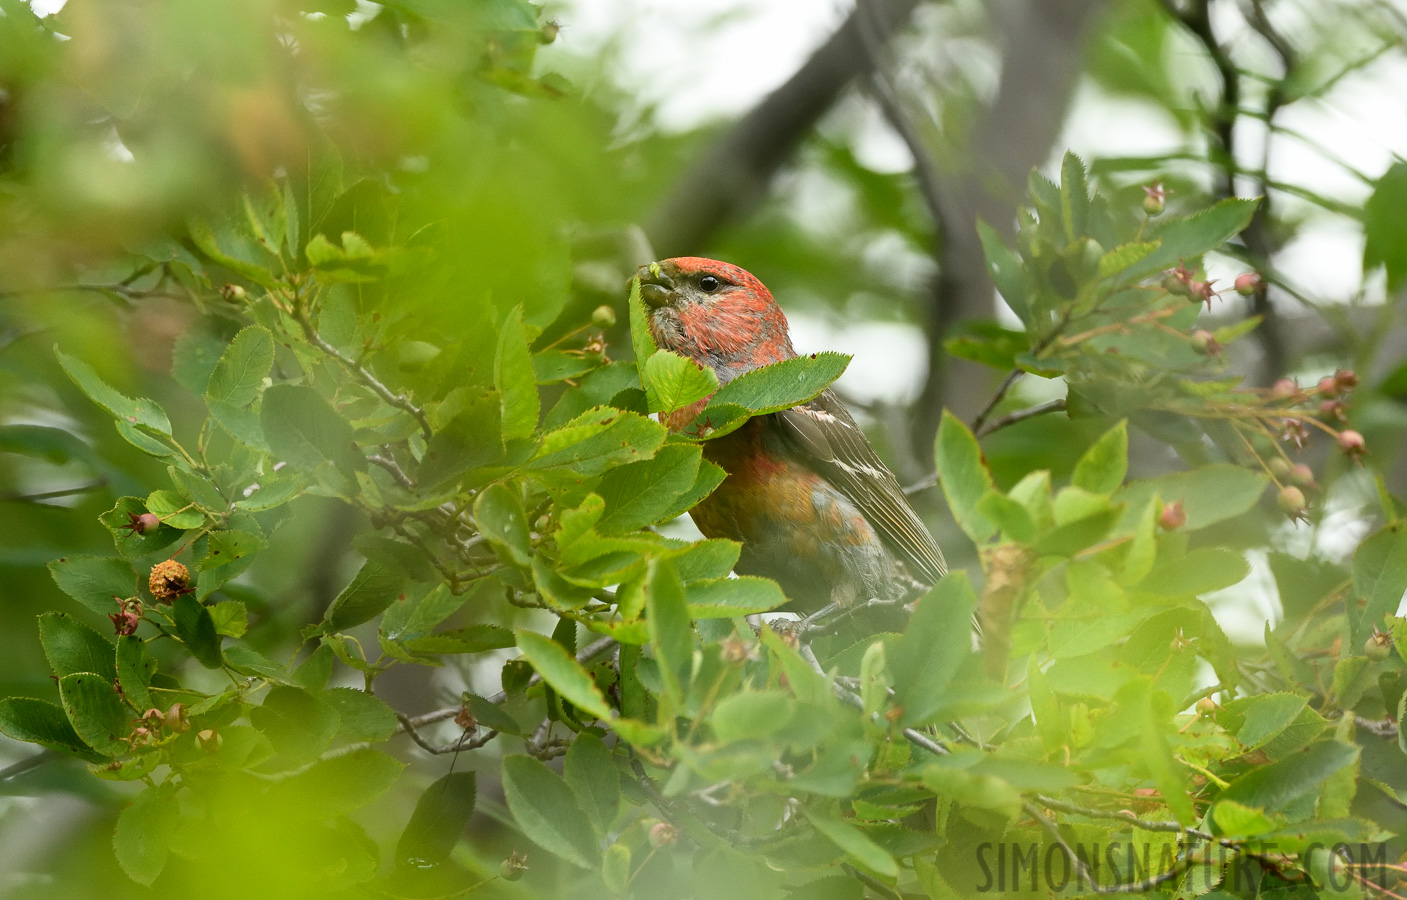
36, 496
1082, 872
388, 462
400, 401
1021, 415
1002, 388
917, 738
408, 727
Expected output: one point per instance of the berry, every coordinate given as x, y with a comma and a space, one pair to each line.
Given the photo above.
168, 580
1172, 517
662, 834
549, 31
1291, 501
1302, 475
141, 524
234, 293
1206, 706
1246, 283
1347, 379
603, 317
175, 719
512, 868
1155, 198
1378, 646
1333, 409
209, 740
129, 613
1351, 442
1204, 343
1328, 386
1202, 292
1281, 469
1285, 389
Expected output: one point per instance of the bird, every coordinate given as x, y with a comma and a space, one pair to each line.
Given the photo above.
805, 493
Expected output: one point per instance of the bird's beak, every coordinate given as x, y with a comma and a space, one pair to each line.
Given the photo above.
656, 288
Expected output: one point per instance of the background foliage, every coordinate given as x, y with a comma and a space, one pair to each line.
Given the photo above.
341, 546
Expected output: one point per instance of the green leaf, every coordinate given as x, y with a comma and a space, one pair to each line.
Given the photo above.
197, 629
566, 676
303, 429
144, 831
667, 620
1265, 717
70, 646
645, 493
171, 508
964, 476
746, 595
418, 616
135, 667
471, 639
95, 582
1186, 238
858, 845
515, 379
140, 412
673, 381
1200, 571
1384, 230
1379, 578
362, 716
1209, 494
43, 723
226, 547
1074, 196
345, 782
1275, 786
591, 773
441, 815
782, 385
239, 374
498, 511
752, 715
599, 439
642, 342
1006, 270
547, 811
1102, 468
370, 591
97, 714
299, 725
938, 639
1124, 256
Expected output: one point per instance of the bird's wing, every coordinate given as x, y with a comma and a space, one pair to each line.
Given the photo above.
839, 451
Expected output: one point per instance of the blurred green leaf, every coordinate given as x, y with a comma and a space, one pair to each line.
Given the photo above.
932, 649
1384, 231
303, 429
515, 379
239, 375
547, 811
745, 595
370, 591
440, 817
1379, 578
143, 836
591, 773
751, 715
667, 616
858, 845
963, 476
1273, 787
140, 412
498, 511
1101, 470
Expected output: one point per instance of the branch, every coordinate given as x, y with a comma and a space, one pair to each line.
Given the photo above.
1021, 415
917, 738
36, 496
400, 401
732, 173
1082, 872
408, 727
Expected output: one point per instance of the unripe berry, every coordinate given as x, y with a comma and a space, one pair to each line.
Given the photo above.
512, 868
1303, 476
234, 293
175, 719
1154, 198
1291, 501
662, 834
1280, 468
1206, 706
1328, 385
209, 740
141, 524
1378, 646
1204, 343
603, 317
168, 580
1285, 389
1347, 379
1246, 283
1351, 442
1172, 517
549, 31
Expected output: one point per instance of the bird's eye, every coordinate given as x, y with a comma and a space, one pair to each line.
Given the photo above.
708, 284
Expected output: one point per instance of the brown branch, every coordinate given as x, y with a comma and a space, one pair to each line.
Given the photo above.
732, 173
1021, 415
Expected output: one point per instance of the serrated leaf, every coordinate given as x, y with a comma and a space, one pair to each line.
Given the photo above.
440, 817
1379, 578
667, 619
598, 440
1385, 232
566, 676
515, 379
70, 646
196, 628
546, 810
498, 511
753, 715
226, 547
140, 412
591, 773
43, 723
1273, 787
937, 640
782, 385
172, 509
858, 845
471, 639
673, 381
646, 492
303, 429
1102, 468
97, 714
95, 582
240, 372
640, 339
142, 837
1124, 256
362, 716
298, 724
1006, 270
746, 595
1190, 237
963, 476
370, 591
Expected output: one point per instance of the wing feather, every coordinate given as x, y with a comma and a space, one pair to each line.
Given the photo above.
839, 451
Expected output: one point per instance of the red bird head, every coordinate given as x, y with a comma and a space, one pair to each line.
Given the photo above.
714, 313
